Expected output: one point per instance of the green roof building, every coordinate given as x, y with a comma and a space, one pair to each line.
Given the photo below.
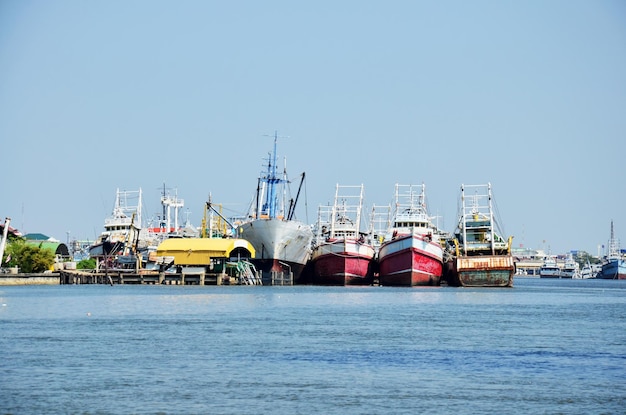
45, 242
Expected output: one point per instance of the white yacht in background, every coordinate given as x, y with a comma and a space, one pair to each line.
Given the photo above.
549, 268
570, 269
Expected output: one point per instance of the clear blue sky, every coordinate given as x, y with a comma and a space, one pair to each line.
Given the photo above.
527, 95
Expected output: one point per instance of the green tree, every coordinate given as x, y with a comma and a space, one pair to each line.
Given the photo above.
89, 263
29, 258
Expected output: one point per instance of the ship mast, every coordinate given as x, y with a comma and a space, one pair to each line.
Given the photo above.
491, 224
272, 180
613, 246
463, 219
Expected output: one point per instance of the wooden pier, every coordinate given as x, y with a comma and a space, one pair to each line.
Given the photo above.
124, 277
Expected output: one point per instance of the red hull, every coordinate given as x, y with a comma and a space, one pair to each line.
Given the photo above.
352, 270
410, 261
343, 263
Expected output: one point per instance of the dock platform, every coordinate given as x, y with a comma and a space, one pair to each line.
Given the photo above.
125, 277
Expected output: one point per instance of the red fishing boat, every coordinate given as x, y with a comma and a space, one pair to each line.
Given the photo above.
343, 254
413, 256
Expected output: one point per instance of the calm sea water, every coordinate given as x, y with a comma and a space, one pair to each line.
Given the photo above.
542, 347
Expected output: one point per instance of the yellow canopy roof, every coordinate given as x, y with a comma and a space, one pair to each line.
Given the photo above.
199, 251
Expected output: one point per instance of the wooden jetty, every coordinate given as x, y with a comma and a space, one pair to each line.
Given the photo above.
124, 277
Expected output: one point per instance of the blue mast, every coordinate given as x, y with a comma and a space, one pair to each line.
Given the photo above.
272, 180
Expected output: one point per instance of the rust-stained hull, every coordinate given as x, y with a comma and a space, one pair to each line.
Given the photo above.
480, 271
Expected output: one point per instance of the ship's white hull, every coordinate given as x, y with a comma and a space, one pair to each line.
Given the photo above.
282, 247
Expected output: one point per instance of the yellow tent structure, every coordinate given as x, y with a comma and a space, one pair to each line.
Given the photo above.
204, 251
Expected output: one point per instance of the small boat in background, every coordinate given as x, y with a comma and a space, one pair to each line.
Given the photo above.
587, 272
614, 267
343, 254
479, 255
570, 269
168, 225
412, 254
125, 234
549, 268
123, 228
380, 223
